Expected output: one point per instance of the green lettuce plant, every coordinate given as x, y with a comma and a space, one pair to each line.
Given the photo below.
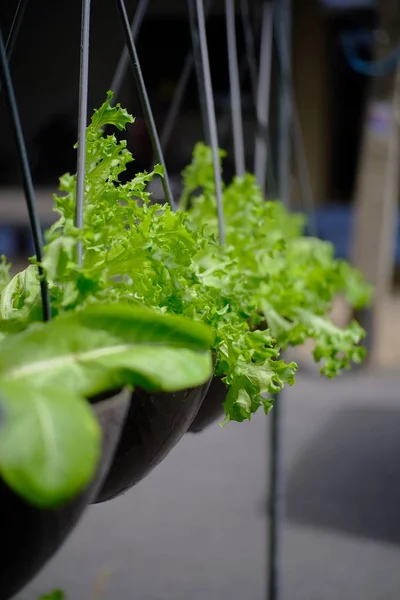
266, 289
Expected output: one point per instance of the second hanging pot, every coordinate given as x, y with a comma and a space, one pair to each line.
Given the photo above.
154, 425
211, 409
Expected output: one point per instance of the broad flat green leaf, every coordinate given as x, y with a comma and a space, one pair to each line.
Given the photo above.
104, 347
49, 442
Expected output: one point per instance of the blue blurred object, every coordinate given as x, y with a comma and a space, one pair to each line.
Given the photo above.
335, 224
349, 4
9, 242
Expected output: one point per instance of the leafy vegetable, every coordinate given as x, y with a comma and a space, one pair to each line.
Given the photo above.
49, 437
268, 288
292, 279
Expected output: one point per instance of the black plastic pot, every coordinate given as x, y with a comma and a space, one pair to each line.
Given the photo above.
154, 425
31, 536
211, 409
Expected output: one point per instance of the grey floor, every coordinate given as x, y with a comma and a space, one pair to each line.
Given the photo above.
196, 527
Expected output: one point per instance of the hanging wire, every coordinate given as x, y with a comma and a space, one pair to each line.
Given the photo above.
212, 123
144, 100
263, 95
236, 104
250, 45
15, 27
123, 62
176, 103
82, 121
14, 30
179, 94
298, 139
285, 115
29, 190
250, 58
200, 75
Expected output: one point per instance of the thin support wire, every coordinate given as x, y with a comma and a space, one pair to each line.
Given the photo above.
179, 94
15, 27
82, 121
212, 122
144, 100
263, 95
296, 129
123, 62
176, 103
249, 45
14, 30
236, 104
250, 50
283, 28
200, 74
29, 190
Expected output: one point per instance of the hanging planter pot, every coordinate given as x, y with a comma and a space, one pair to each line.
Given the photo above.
154, 425
211, 409
30, 536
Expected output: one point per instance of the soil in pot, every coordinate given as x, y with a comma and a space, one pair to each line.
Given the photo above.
31, 536
211, 409
154, 425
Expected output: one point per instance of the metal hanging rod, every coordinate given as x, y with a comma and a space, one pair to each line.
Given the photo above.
82, 121
285, 117
236, 104
249, 27
29, 190
200, 75
212, 124
249, 45
179, 93
123, 62
296, 130
144, 100
15, 27
263, 95
14, 30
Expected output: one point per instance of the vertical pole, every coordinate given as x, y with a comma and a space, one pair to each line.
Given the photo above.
236, 105
275, 508
263, 95
82, 120
5, 78
276, 486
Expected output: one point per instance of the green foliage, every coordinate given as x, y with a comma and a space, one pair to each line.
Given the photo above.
290, 279
268, 288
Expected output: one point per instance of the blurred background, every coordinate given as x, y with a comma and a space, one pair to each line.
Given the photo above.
197, 526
